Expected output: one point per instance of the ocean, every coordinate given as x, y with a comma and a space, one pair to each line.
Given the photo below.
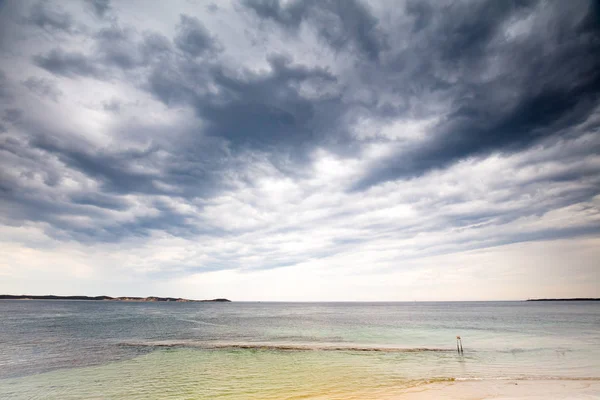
248, 350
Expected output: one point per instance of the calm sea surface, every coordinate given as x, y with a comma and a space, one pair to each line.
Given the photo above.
122, 350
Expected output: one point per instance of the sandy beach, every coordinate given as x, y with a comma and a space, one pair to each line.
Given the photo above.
505, 390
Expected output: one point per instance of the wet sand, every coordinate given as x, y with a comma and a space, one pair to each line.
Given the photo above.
505, 390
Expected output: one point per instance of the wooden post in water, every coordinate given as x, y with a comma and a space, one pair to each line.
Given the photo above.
459, 349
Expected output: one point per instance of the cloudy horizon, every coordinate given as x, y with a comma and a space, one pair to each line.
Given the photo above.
300, 150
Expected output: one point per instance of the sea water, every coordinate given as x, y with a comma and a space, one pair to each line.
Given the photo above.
129, 350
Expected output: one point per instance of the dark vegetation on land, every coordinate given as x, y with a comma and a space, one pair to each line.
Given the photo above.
108, 298
571, 299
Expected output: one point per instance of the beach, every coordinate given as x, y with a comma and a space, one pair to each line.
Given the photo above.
154, 377
505, 390
273, 351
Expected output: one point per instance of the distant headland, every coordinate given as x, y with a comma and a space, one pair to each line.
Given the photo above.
571, 299
108, 298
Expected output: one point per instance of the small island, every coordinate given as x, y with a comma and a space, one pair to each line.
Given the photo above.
571, 299
108, 298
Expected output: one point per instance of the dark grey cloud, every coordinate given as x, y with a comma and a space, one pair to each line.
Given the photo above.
114, 170
63, 216
41, 162
100, 200
50, 17
250, 109
116, 46
5, 92
155, 46
270, 106
193, 38
43, 87
65, 63
212, 7
165, 220
100, 7
546, 81
342, 24
112, 106
12, 115
490, 90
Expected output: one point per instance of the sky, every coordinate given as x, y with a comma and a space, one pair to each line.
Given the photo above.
315, 150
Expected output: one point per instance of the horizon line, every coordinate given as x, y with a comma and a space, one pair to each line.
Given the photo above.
66, 297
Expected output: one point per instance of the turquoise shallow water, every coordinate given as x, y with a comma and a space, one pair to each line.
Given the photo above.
118, 350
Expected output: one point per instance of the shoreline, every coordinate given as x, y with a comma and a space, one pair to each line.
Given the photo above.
504, 390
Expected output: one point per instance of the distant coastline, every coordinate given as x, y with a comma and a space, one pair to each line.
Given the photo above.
108, 298
571, 299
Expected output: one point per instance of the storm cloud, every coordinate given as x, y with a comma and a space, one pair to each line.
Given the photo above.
259, 135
